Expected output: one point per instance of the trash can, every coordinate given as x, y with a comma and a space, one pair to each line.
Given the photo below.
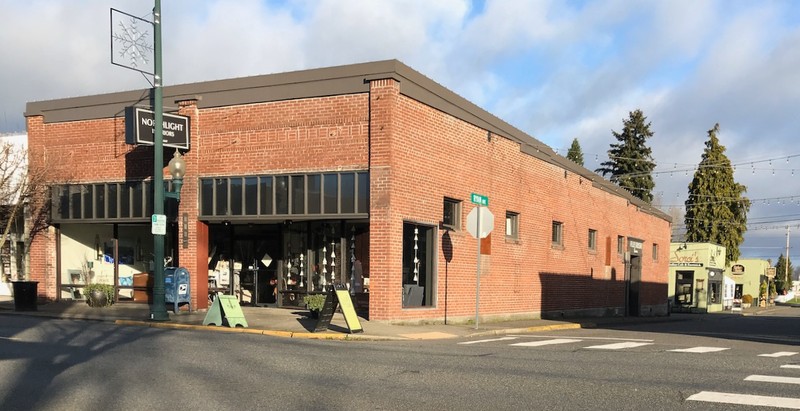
25, 295
176, 287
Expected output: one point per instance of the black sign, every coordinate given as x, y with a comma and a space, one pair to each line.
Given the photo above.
338, 295
140, 126
326, 313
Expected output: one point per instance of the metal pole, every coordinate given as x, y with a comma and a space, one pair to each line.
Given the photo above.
786, 262
158, 311
478, 270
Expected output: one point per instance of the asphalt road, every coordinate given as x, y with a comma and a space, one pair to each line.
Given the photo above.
49, 364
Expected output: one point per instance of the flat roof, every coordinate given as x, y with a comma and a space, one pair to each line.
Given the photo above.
321, 82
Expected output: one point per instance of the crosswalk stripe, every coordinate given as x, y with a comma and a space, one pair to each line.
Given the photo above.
790, 366
773, 378
546, 342
490, 340
779, 354
744, 399
700, 350
619, 346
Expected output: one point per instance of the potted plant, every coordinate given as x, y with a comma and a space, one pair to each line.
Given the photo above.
99, 295
747, 301
314, 303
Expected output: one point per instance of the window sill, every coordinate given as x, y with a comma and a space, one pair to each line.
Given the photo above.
557, 247
513, 240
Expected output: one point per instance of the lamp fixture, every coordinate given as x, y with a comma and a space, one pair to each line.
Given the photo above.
177, 168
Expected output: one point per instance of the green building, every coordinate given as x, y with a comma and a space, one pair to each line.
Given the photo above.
696, 277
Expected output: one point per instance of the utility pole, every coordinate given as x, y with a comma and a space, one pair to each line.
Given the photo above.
786, 262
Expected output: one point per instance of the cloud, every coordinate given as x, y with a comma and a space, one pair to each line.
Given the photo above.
557, 70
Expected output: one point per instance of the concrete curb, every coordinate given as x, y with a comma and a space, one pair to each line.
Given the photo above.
273, 333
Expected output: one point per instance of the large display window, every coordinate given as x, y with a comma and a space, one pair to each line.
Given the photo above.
117, 254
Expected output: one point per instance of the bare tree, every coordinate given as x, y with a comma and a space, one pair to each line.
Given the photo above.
23, 196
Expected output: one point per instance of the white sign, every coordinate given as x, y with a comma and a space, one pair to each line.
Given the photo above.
487, 222
159, 224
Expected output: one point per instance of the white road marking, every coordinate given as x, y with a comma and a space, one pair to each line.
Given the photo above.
743, 399
773, 378
700, 350
790, 366
779, 354
493, 339
584, 338
619, 346
545, 342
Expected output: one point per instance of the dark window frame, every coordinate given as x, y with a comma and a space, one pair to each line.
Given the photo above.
321, 195
451, 213
557, 234
512, 218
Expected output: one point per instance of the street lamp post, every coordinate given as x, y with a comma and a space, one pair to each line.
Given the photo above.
158, 311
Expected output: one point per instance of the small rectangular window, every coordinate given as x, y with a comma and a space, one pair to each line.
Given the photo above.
558, 235
512, 225
314, 182
237, 195
592, 240
620, 245
266, 192
298, 194
655, 252
206, 196
330, 193
451, 214
281, 194
251, 195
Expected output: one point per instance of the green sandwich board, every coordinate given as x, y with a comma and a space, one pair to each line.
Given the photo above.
225, 311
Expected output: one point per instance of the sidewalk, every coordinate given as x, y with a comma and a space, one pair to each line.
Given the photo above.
294, 323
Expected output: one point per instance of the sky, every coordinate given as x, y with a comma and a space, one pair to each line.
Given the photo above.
557, 70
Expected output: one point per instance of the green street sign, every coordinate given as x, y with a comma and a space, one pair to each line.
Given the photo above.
480, 200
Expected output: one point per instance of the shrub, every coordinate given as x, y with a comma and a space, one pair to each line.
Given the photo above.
747, 299
314, 301
106, 289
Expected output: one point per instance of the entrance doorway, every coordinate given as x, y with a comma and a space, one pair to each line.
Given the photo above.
277, 264
634, 285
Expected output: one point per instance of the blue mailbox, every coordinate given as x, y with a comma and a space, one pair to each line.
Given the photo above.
176, 287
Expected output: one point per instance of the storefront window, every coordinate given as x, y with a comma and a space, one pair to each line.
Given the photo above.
683, 287
91, 254
418, 273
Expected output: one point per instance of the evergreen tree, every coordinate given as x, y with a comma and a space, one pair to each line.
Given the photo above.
716, 210
782, 281
630, 162
575, 153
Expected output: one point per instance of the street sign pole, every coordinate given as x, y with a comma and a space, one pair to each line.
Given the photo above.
478, 271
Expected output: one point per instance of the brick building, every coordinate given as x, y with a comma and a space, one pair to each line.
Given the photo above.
359, 174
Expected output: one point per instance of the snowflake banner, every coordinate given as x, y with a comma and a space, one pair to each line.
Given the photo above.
132, 42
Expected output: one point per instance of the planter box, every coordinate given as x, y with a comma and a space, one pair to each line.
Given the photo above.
25, 295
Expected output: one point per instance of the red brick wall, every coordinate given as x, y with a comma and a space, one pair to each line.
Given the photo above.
416, 156
421, 155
